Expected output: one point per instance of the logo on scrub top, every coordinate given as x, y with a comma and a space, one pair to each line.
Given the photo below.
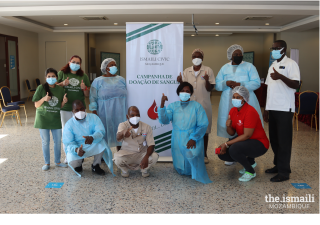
74, 82
154, 47
53, 101
153, 111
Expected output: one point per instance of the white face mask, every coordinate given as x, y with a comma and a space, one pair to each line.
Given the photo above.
80, 115
197, 61
134, 120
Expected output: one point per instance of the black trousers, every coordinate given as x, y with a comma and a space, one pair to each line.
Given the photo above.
280, 134
244, 152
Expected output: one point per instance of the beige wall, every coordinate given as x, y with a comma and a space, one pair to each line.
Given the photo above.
308, 44
28, 55
215, 49
75, 44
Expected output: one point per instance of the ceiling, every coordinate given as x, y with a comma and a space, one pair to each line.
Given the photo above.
50, 16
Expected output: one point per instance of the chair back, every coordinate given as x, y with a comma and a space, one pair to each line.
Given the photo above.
37, 82
28, 85
6, 95
308, 102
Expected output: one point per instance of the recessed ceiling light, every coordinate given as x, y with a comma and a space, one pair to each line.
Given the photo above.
217, 23
217, 35
192, 35
65, 24
115, 24
267, 24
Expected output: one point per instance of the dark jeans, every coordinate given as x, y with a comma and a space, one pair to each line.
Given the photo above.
244, 152
280, 133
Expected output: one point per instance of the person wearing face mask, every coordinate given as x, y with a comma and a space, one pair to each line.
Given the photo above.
251, 142
76, 84
283, 79
137, 151
190, 123
48, 99
233, 74
108, 100
83, 137
202, 79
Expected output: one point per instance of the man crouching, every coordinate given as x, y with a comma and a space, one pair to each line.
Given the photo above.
137, 150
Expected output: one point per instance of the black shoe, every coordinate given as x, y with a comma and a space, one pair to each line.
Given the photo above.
272, 170
97, 169
279, 178
78, 169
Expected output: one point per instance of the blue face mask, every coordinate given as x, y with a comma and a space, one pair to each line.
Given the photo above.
276, 54
113, 70
237, 103
74, 66
184, 96
51, 80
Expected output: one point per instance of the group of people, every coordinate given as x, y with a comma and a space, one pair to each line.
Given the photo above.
61, 108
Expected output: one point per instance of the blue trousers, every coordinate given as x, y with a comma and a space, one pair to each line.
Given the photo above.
45, 137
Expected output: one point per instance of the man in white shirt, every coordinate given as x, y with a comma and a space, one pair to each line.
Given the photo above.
283, 79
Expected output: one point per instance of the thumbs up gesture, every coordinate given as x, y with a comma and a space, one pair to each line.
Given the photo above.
229, 122
179, 78
128, 133
275, 75
65, 99
80, 151
82, 85
66, 82
47, 97
206, 77
163, 99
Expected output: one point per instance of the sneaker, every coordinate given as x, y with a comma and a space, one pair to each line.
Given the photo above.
123, 174
61, 165
45, 167
206, 160
78, 169
96, 169
229, 163
145, 174
244, 170
247, 176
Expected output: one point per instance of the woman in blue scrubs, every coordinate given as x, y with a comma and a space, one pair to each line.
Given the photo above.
190, 122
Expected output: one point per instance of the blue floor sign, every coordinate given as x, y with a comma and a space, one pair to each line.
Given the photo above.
54, 185
301, 185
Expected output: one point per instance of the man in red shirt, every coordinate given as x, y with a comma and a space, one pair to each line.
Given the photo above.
252, 140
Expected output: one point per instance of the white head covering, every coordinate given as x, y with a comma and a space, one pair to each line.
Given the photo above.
231, 49
242, 91
105, 63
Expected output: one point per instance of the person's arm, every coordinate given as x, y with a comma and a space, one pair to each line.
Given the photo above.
254, 80
64, 100
294, 84
222, 83
202, 124
87, 84
99, 130
60, 81
46, 98
230, 130
68, 139
123, 132
165, 114
93, 106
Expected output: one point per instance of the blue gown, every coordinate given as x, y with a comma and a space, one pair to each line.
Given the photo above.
108, 96
72, 138
248, 76
189, 121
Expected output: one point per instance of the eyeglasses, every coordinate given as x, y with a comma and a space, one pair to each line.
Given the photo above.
276, 48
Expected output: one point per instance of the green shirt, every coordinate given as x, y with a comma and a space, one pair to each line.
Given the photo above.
48, 114
73, 90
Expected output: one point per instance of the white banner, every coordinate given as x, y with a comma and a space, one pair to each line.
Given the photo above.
154, 60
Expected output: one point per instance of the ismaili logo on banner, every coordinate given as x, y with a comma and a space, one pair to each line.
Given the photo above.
153, 111
154, 47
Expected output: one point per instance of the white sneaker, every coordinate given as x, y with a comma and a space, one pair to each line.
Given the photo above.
229, 163
123, 174
244, 170
247, 177
145, 174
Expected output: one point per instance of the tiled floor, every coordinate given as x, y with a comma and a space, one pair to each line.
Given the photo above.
22, 182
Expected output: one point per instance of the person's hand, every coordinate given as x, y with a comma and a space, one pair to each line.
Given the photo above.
47, 97
229, 83
275, 75
223, 149
128, 133
65, 99
229, 122
82, 85
80, 151
179, 78
206, 77
266, 116
66, 82
163, 99
95, 112
144, 162
191, 144
89, 139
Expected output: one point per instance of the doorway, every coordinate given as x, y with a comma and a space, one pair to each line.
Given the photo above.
9, 65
